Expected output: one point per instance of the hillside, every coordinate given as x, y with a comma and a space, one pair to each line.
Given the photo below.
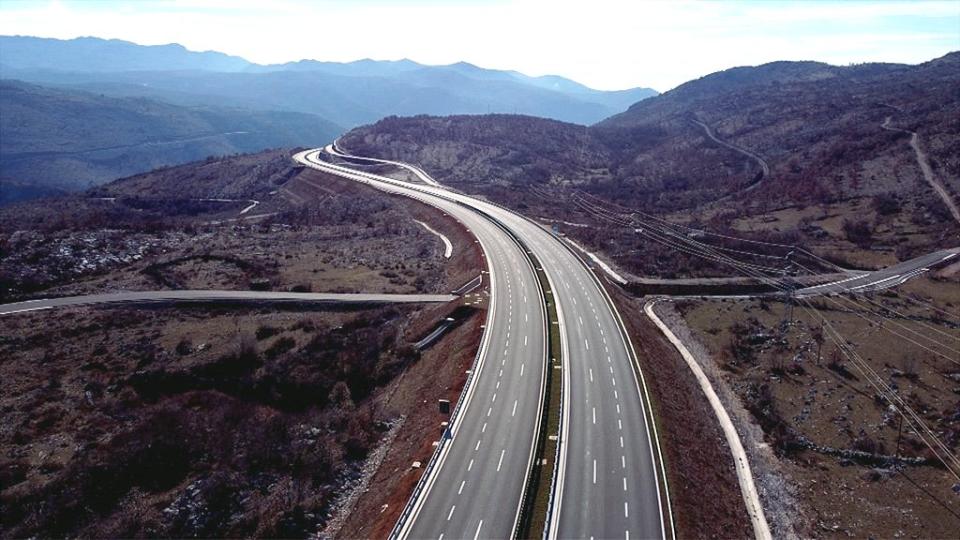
52, 139
349, 94
829, 117
798, 151
820, 127
213, 420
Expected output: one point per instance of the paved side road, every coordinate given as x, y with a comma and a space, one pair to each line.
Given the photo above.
153, 297
884, 278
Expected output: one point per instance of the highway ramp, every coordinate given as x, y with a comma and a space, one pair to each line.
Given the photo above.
884, 278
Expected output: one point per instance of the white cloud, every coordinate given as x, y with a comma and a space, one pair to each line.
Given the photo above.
606, 44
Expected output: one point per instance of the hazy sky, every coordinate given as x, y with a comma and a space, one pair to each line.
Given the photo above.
605, 44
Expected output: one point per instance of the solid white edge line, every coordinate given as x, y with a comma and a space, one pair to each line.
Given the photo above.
475, 204
639, 380
303, 157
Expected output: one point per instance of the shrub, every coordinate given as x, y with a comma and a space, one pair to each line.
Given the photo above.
859, 232
263, 332
185, 347
280, 346
886, 204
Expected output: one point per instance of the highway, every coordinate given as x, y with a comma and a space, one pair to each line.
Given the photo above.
475, 487
333, 150
609, 476
608, 482
207, 296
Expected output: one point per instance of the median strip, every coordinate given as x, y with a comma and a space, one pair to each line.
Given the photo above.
536, 503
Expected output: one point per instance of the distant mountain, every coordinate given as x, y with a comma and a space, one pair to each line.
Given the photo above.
357, 68
65, 140
101, 55
349, 94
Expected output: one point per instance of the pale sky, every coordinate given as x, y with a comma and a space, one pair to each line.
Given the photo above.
608, 45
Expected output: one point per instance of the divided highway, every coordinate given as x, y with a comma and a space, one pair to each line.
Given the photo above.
475, 487
610, 481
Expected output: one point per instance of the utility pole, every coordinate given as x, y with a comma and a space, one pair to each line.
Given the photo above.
788, 295
818, 337
899, 431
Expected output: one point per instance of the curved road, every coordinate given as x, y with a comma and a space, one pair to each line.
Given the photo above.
609, 476
764, 167
476, 486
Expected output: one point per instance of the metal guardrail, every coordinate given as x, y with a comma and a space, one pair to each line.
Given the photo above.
444, 441
432, 464
418, 489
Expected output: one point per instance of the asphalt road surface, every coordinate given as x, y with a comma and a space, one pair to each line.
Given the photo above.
885, 278
608, 479
153, 297
476, 488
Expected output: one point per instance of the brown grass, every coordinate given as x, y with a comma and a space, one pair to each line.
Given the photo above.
829, 403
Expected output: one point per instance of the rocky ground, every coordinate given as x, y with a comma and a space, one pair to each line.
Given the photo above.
314, 233
201, 421
838, 443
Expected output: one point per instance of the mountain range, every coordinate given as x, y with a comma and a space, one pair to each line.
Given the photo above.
831, 157
808, 130
79, 112
348, 94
